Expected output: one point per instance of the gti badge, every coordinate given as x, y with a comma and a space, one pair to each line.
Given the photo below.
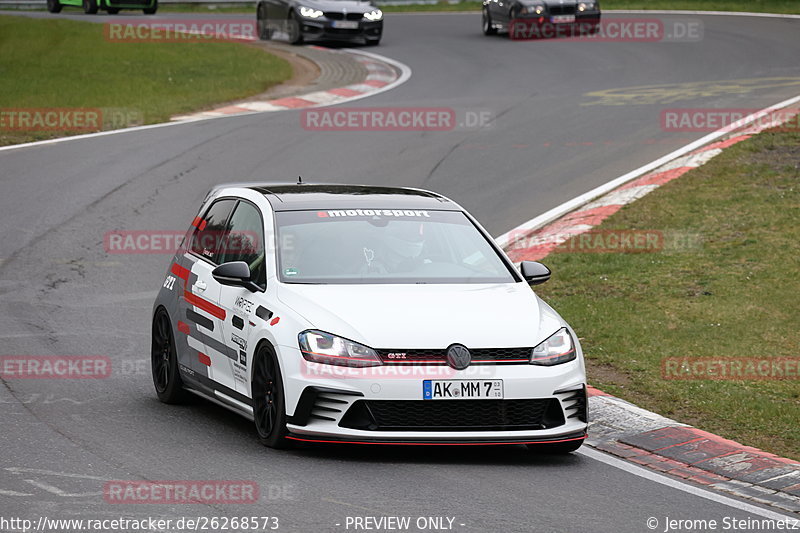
458, 356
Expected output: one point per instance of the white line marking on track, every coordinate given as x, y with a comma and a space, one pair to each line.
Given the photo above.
59, 492
13, 493
650, 475
23, 470
585, 198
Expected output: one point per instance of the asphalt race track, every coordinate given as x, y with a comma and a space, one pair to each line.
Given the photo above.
551, 140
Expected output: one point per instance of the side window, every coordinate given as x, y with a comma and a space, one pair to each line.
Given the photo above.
245, 241
207, 238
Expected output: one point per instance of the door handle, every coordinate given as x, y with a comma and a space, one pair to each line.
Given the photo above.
201, 285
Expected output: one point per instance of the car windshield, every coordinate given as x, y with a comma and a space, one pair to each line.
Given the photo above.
358, 246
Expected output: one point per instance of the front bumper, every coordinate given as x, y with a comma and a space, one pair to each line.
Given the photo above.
324, 29
530, 26
384, 404
449, 441
544, 18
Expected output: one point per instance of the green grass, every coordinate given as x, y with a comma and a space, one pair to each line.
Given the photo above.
65, 64
735, 294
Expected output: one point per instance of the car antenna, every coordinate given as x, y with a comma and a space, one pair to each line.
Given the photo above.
299, 180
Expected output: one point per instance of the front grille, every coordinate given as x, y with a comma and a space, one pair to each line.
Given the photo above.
439, 357
340, 31
562, 10
453, 415
333, 15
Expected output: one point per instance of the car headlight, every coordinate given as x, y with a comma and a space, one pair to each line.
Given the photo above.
536, 9
557, 349
321, 347
374, 15
586, 6
310, 13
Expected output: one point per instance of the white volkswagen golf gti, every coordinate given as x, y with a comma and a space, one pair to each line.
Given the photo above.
361, 314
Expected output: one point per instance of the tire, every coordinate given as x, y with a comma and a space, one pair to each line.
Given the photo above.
556, 448
151, 10
269, 407
54, 6
295, 34
486, 21
90, 7
164, 361
262, 23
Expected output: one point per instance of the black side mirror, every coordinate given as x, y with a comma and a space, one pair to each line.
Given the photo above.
534, 272
235, 274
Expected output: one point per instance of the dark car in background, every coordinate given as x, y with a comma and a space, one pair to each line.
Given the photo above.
540, 18
329, 20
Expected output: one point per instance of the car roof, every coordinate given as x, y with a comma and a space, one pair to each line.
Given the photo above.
298, 197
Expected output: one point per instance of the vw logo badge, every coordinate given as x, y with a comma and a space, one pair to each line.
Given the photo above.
458, 356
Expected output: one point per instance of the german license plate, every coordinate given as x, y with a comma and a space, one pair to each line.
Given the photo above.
462, 389
563, 19
346, 24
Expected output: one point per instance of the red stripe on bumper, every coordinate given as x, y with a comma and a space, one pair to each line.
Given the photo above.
183, 327
206, 360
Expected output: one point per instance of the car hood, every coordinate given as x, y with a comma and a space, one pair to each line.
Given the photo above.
338, 5
425, 315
